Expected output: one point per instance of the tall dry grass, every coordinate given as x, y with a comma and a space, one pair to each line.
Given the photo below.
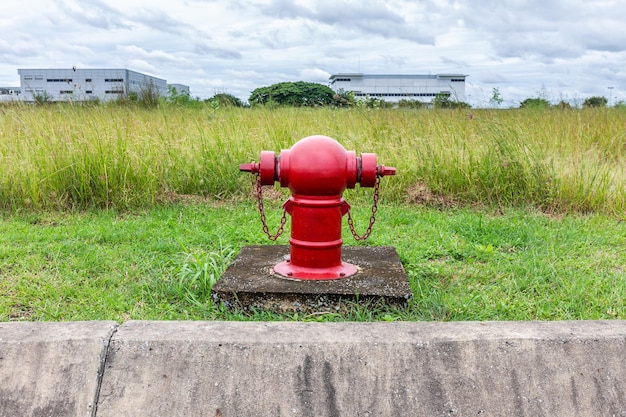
75, 157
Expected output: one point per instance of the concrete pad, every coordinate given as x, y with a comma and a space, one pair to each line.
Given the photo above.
51, 369
249, 282
366, 369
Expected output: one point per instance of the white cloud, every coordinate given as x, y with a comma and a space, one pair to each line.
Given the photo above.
314, 75
153, 55
96, 13
142, 66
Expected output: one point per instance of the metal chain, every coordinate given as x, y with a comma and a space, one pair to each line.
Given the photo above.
368, 231
261, 207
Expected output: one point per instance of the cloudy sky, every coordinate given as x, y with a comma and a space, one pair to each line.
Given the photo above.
558, 49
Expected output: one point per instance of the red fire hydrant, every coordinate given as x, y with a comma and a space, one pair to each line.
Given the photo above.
317, 170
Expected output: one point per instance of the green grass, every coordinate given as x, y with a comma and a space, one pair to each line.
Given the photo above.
76, 157
160, 263
121, 213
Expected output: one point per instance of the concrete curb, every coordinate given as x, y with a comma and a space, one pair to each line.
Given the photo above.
314, 369
52, 369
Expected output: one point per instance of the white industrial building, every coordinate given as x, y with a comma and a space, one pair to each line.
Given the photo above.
86, 84
180, 88
10, 94
395, 87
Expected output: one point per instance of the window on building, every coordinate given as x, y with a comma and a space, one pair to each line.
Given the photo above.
28, 78
89, 92
66, 92
114, 80
59, 80
87, 80
457, 80
114, 92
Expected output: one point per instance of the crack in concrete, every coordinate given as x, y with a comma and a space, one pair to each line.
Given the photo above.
104, 355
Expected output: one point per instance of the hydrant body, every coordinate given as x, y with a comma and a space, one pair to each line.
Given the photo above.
317, 170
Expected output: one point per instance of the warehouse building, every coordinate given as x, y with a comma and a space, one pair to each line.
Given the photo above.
396, 87
86, 84
179, 88
10, 94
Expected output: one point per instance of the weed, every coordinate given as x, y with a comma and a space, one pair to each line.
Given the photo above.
192, 284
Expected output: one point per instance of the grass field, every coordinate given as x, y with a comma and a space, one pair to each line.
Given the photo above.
160, 263
75, 157
124, 213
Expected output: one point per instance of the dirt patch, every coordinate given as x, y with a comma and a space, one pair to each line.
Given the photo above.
172, 197
271, 193
421, 194
20, 312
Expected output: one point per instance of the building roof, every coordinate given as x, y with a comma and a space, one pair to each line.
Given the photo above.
358, 74
19, 70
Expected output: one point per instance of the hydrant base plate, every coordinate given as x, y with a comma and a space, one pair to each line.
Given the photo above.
250, 283
290, 271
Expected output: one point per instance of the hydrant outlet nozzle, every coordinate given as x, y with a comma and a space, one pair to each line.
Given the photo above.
251, 167
383, 171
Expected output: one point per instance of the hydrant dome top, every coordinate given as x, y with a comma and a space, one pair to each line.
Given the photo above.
317, 138
319, 147
317, 165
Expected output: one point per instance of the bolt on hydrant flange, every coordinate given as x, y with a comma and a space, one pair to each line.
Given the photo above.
317, 170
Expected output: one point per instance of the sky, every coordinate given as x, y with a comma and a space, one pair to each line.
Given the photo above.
554, 49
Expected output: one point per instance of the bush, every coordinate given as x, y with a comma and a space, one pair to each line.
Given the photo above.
595, 101
564, 105
535, 103
226, 100
373, 103
344, 98
442, 101
411, 104
149, 94
181, 98
620, 104
42, 98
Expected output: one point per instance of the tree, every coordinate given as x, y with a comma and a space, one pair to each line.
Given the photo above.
595, 101
535, 103
298, 94
496, 98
